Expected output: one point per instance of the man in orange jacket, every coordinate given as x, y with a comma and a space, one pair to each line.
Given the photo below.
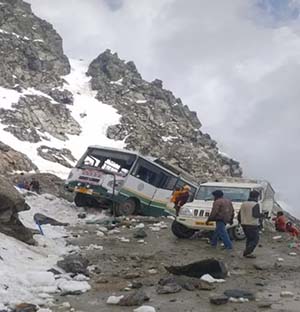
180, 197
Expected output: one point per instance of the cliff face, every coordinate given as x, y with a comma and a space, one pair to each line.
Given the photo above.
32, 64
39, 107
31, 50
154, 121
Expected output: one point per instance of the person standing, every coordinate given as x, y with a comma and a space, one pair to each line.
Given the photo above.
222, 213
180, 197
248, 217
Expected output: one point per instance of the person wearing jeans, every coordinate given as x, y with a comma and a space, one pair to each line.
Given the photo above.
222, 213
221, 233
248, 217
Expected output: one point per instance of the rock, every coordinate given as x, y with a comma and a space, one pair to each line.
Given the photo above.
74, 264
187, 283
140, 226
114, 299
11, 203
145, 308
152, 271
239, 293
34, 55
286, 294
82, 215
131, 275
12, 160
264, 305
42, 219
62, 96
54, 271
215, 268
238, 300
293, 254
260, 266
140, 233
25, 307
134, 298
136, 285
61, 156
170, 288
102, 280
218, 299
209, 279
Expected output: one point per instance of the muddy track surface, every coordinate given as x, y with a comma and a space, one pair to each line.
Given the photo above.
126, 262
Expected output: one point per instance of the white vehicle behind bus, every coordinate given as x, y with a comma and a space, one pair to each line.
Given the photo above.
125, 182
193, 216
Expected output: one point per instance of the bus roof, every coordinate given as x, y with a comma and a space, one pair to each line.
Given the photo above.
186, 177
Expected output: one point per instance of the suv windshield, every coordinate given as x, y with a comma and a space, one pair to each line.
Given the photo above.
235, 194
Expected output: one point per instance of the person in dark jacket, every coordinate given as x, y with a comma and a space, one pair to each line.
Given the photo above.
248, 217
222, 213
35, 185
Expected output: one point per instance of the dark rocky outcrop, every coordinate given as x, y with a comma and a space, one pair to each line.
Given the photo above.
11, 203
31, 50
154, 121
35, 116
62, 156
76, 264
12, 160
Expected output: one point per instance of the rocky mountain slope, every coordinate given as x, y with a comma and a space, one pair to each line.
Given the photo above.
51, 110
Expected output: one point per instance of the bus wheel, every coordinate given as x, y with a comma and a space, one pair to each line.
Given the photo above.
80, 200
127, 208
237, 233
181, 231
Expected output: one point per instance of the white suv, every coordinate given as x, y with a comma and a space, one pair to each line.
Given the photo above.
192, 216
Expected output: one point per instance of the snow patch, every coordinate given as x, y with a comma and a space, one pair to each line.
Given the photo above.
98, 117
23, 268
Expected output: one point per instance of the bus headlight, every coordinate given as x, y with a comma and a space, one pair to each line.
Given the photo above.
184, 211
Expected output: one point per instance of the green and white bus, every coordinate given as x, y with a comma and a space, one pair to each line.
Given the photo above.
126, 181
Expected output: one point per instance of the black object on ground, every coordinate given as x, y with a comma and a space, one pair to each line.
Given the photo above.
215, 268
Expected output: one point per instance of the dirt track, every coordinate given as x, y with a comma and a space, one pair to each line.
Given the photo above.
123, 262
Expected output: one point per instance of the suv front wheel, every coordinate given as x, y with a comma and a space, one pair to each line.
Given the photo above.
181, 231
237, 232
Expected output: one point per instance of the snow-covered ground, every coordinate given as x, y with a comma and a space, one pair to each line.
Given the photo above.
93, 116
23, 268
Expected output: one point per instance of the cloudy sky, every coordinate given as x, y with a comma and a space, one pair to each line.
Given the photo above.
236, 62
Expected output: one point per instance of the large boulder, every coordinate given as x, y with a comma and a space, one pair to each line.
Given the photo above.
11, 203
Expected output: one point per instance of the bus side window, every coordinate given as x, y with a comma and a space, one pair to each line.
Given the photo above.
169, 183
146, 175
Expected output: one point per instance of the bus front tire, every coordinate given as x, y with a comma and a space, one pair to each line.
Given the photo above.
127, 208
80, 200
181, 231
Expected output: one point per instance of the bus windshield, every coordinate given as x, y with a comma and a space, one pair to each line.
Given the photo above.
235, 194
112, 161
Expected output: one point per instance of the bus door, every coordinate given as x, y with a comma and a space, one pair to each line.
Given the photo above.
165, 187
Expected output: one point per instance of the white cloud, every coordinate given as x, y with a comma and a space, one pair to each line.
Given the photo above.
236, 62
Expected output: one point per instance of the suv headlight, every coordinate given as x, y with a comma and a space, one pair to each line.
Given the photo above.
184, 211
